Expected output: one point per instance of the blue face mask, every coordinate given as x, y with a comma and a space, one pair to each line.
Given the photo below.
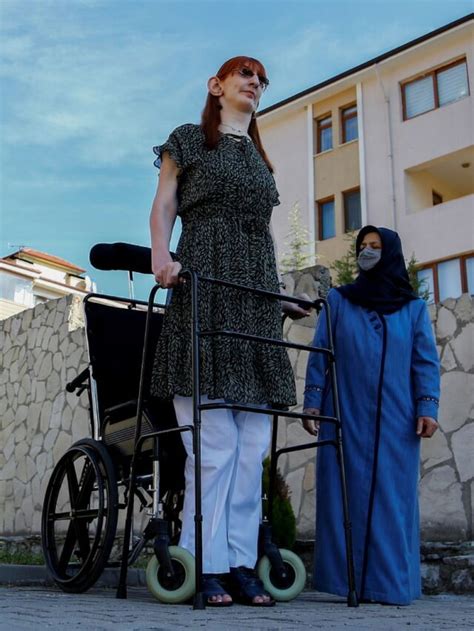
368, 258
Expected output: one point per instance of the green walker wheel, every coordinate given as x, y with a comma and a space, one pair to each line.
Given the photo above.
288, 588
172, 591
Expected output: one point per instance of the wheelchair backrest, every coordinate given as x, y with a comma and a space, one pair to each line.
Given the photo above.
115, 335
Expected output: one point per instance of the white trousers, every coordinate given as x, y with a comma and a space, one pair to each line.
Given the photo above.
233, 445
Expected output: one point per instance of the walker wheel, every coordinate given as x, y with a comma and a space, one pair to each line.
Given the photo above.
292, 585
179, 589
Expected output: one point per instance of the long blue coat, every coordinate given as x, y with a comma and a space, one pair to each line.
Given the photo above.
388, 376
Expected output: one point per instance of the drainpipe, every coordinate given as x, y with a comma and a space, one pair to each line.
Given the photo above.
310, 192
390, 149
362, 155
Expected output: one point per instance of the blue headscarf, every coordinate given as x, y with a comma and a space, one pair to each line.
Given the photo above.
386, 287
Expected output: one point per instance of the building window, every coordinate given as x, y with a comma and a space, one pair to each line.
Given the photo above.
437, 198
449, 278
435, 89
470, 275
15, 289
324, 134
352, 212
349, 123
426, 279
326, 219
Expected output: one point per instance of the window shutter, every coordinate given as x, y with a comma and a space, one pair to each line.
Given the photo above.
449, 279
452, 84
419, 97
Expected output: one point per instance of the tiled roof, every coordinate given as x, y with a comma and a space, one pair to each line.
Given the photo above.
30, 253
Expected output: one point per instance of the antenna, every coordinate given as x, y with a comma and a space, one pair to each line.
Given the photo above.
15, 245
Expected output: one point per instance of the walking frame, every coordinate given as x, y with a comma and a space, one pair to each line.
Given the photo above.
157, 526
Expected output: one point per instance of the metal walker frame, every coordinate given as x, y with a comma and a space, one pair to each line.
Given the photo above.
157, 526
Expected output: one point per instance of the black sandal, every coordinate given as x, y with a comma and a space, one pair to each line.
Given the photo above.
244, 586
211, 586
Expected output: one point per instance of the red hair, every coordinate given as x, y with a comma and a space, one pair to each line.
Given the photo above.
211, 114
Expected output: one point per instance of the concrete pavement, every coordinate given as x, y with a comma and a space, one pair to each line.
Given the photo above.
47, 608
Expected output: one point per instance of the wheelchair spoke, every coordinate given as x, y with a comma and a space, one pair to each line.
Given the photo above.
72, 483
87, 483
87, 514
66, 516
68, 548
82, 535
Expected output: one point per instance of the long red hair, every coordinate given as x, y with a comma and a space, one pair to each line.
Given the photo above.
211, 114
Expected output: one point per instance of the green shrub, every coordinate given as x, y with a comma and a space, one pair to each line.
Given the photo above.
283, 518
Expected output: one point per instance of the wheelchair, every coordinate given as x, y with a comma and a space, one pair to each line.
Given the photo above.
135, 454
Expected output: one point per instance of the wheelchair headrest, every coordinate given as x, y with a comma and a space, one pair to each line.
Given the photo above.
121, 256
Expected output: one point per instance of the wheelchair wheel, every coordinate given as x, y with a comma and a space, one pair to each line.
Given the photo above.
79, 517
179, 590
292, 585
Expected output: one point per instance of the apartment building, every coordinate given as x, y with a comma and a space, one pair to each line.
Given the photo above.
390, 143
29, 277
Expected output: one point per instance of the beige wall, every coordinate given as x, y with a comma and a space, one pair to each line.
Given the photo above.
421, 139
383, 159
335, 171
286, 145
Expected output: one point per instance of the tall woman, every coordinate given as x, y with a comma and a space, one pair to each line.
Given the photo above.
388, 377
218, 179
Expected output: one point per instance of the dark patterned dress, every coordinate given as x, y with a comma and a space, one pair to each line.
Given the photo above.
225, 201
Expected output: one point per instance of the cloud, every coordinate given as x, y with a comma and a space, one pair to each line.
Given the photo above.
105, 90
302, 58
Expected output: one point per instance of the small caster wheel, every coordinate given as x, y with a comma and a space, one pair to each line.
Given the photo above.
289, 587
178, 589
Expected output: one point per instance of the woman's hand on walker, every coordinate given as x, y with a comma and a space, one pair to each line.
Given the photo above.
167, 273
426, 426
294, 311
311, 426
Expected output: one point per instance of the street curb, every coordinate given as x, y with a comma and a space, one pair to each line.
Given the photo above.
39, 575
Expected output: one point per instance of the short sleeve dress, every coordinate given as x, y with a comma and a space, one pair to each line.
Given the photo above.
225, 201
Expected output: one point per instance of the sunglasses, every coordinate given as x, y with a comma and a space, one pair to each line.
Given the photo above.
248, 74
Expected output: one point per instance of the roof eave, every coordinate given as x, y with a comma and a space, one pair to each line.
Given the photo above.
307, 96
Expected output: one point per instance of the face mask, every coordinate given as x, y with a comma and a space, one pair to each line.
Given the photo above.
368, 258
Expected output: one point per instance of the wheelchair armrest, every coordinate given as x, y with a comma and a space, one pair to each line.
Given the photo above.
78, 381
121, 411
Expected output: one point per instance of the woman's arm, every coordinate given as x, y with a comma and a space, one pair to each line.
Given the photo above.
425, 376
162, 219
316, 370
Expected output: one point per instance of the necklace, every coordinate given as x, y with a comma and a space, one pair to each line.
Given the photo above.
240, 131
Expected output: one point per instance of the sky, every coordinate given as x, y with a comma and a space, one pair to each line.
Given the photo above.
89, 86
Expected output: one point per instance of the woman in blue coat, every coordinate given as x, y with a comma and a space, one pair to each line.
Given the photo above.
388, 378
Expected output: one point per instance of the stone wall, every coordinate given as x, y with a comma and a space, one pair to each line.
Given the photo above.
43, 348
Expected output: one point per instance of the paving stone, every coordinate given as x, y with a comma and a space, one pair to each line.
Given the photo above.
442, 511
301, 335
46, 366
463, 347
448, 360
456, 399
307, 516
45, 416
462, 443
50, 439
435, 450
464, 308
445, 323
295, 482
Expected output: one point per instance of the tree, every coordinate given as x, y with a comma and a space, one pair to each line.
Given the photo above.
419, 286
297, 241
346, 268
